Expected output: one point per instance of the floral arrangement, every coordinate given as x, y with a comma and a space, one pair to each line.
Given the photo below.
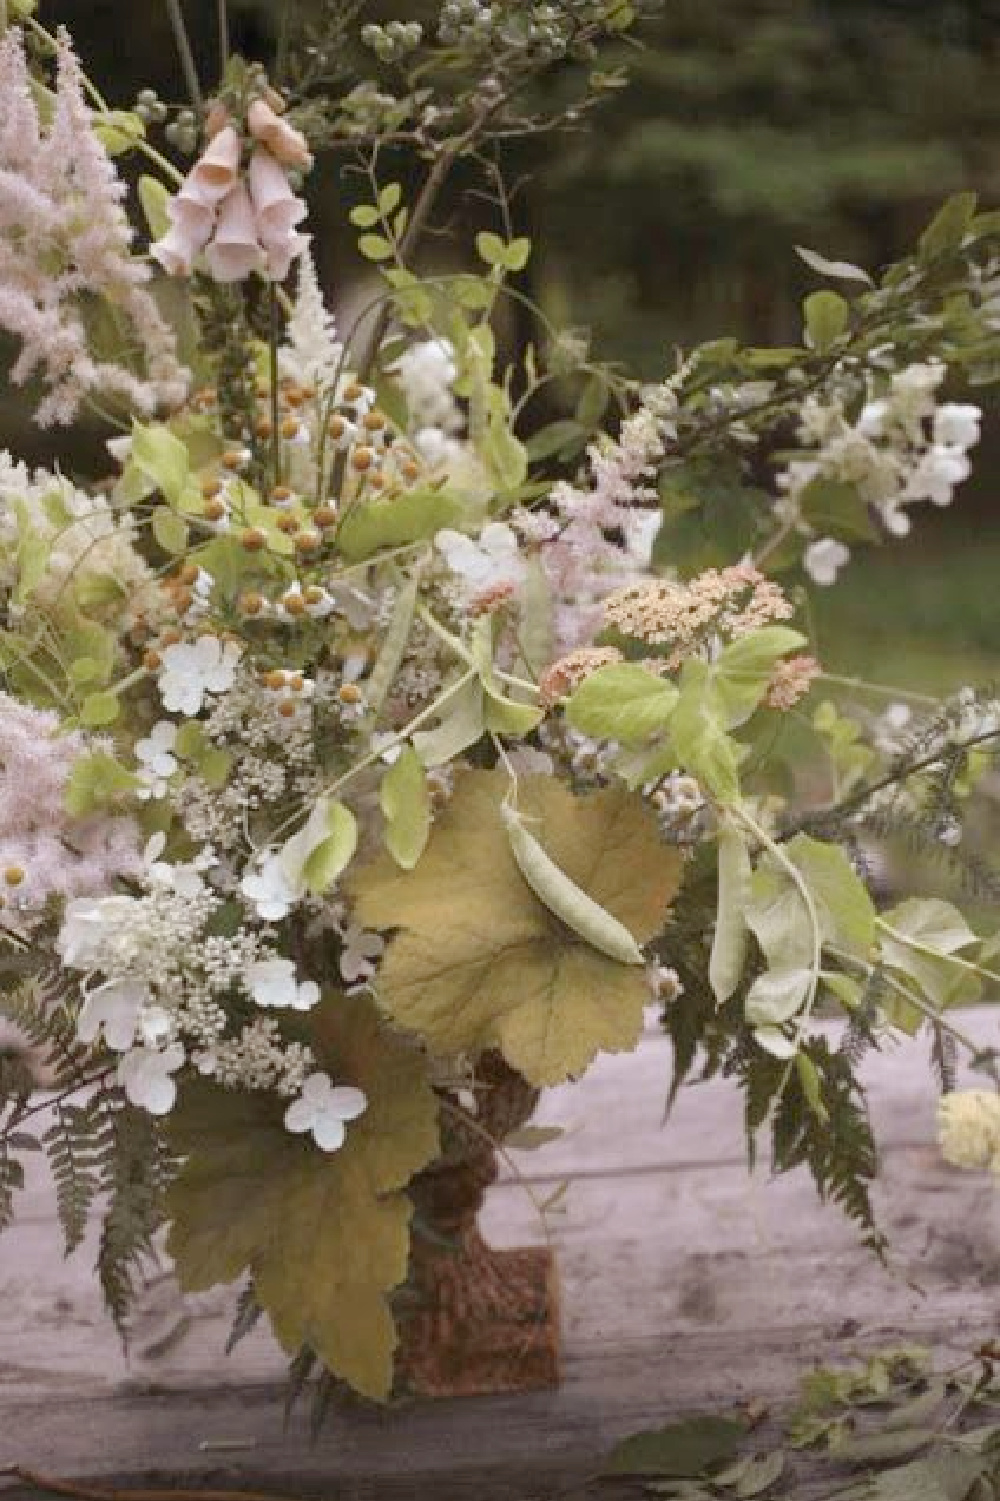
400, 700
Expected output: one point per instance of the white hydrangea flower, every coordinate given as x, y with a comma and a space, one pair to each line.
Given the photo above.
936, 475
323, 1108
271, 889
192, 669
273, 982
145, 1075
969, 1128
113, 1009
824, 559
185, 877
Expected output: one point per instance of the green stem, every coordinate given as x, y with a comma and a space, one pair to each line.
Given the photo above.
222, 14
272, 353
185, 55
861, 685
911, 998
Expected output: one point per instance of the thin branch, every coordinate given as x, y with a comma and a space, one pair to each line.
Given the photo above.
184, 53
222, 14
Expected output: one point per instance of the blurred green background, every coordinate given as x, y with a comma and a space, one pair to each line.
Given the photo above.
749, 126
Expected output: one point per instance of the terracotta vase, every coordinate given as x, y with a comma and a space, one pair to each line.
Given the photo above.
474, 1319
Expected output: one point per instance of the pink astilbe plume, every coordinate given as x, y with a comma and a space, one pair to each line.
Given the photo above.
44, 852
64, 237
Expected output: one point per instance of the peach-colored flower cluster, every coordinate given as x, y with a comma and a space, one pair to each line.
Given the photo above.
790, 681
558, 681
65, 241
718, 605
243, 218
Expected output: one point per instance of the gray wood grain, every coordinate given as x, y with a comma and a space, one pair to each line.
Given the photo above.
685, 1285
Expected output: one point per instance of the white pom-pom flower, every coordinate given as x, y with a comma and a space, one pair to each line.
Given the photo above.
273, 982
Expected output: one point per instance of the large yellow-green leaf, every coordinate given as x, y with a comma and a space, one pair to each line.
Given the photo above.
325, 1236
480, 962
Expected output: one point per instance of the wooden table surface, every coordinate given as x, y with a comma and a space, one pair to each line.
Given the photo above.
686, 1286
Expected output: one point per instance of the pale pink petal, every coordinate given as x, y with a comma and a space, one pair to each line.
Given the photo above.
218, 167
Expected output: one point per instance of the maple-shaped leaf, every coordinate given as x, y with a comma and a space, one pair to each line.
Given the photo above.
325, 1236
479, 962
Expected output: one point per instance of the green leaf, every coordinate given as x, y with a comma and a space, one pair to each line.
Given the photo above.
462, 724
332, 855
826, 317
947, 230
376, 247
530, 1138
517, 253
169, 529
162, 459
503, 971
836, 508
364, 215
564, 438
504, 453
406, 808
622, 702
938, 926
837, 270
778, 916
730, 941
118, 130
393, 647
698, 732
490, 248
743, 669
682, 1450
777, 995
153, 199
383, 523
325, 1236
100, 709
97, 781
389, 198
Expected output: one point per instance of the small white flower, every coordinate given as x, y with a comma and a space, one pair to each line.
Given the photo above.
494, 560
360, 954
824, 559
184, 878
113, 1008
272, 982
144, 1074
192, 669
156, 752
872, 421
937, 474
270, 889
956, 424
323, 1108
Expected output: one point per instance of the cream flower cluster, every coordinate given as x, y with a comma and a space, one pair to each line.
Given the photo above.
969, 1128
243, 220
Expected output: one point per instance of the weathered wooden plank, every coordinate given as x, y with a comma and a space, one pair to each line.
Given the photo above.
684, 1286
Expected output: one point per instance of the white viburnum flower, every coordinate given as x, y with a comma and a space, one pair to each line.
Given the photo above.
113, 1009
936, 475
192, 669
492, 561
969, 1128
145, 1075
824, 559
157, 759
270, 889
87, 922
273, 982
323, 1108
956, 425
361, 952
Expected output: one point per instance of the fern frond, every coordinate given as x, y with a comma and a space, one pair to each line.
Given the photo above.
136, 1167
836, 1145
73, 1145
43, 1007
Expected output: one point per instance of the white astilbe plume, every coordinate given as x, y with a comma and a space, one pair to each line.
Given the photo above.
65, 239
312, 353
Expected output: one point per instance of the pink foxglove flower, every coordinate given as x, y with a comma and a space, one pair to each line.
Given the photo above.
235, 250
277, 211
281, 139
216, 171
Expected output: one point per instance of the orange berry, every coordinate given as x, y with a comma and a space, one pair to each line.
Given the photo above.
251, 604
336, 427
288, 524
294, 604
308, 542
253, 540
376, 479
215, 509
152, 661
313, 595
275, 678
410, 470
263, 428
349, 693
210, 486
353, 391
188, 573
280, 495
290, 427
13, 875
286, 709
233, 458
375, 420
325, 516
171, 637
362, 459
296, 682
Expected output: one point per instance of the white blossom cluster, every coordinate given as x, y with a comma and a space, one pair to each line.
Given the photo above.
902, 449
